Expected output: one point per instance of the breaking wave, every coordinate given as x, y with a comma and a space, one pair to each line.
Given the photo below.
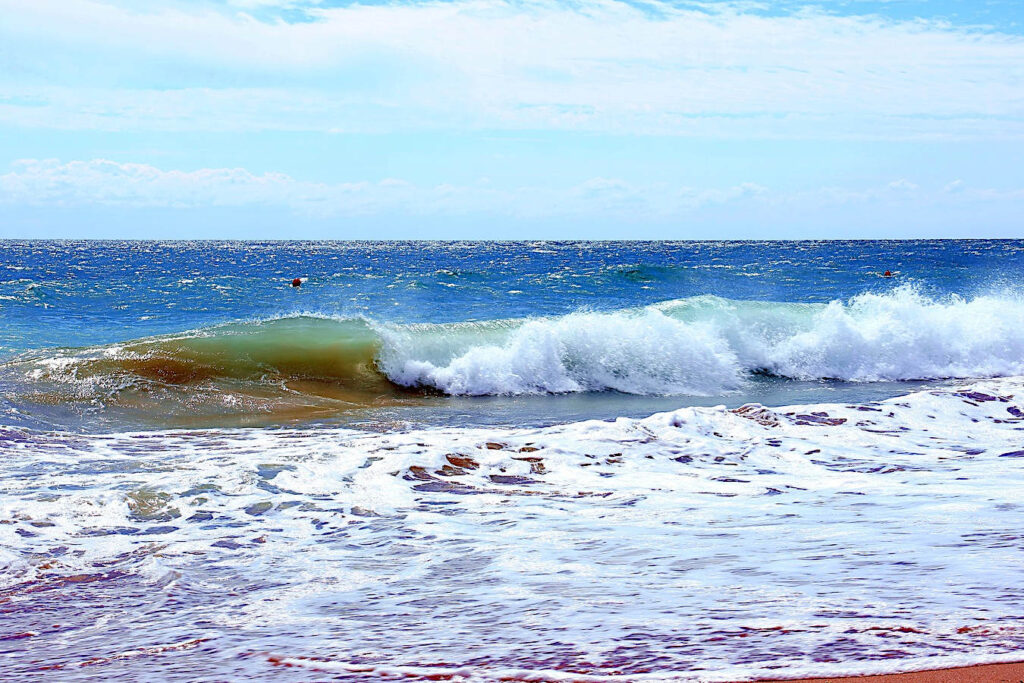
706, 344
698, 346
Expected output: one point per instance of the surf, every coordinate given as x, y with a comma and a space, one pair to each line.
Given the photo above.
709, 345
696, 346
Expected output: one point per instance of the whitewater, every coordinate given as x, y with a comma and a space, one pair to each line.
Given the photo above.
531, 461
700, 544
708, 344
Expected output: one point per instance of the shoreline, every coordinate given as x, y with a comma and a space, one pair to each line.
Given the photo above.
999, 672
1010, 672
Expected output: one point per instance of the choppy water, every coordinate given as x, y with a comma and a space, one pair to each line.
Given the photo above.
433, 481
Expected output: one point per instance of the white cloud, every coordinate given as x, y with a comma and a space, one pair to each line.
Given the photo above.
52, 183
903, 185
595, 65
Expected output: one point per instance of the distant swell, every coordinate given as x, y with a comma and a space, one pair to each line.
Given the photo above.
698, 346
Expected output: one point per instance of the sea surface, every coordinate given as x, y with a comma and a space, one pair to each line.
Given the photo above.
541, 461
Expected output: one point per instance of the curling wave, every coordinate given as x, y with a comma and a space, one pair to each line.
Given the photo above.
704, 345
698, 346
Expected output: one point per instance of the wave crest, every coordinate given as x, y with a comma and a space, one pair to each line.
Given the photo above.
702, 345
706, 345
644, 352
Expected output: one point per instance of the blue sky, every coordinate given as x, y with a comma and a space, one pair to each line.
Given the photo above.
491, 119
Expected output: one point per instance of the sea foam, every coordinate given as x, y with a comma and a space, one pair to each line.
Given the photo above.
754, 541
707, 345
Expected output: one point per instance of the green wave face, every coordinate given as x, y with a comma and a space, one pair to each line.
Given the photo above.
291, 348
240, 373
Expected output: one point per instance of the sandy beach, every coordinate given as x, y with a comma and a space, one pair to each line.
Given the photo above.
984, 673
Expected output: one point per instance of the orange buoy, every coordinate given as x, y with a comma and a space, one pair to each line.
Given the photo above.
297, 282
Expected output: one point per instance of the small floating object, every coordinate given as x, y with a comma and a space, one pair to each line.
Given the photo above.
297, 282
887, 273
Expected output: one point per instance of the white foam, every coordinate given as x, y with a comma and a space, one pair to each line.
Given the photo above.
750, 540
707, 345
645, 352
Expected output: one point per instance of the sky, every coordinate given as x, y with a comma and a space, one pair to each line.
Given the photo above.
492, 119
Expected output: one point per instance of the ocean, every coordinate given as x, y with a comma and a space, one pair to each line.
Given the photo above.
541, 461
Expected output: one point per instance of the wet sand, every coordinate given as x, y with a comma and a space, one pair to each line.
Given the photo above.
983, 673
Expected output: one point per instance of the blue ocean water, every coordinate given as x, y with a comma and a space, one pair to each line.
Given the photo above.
57, 293
438, 461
